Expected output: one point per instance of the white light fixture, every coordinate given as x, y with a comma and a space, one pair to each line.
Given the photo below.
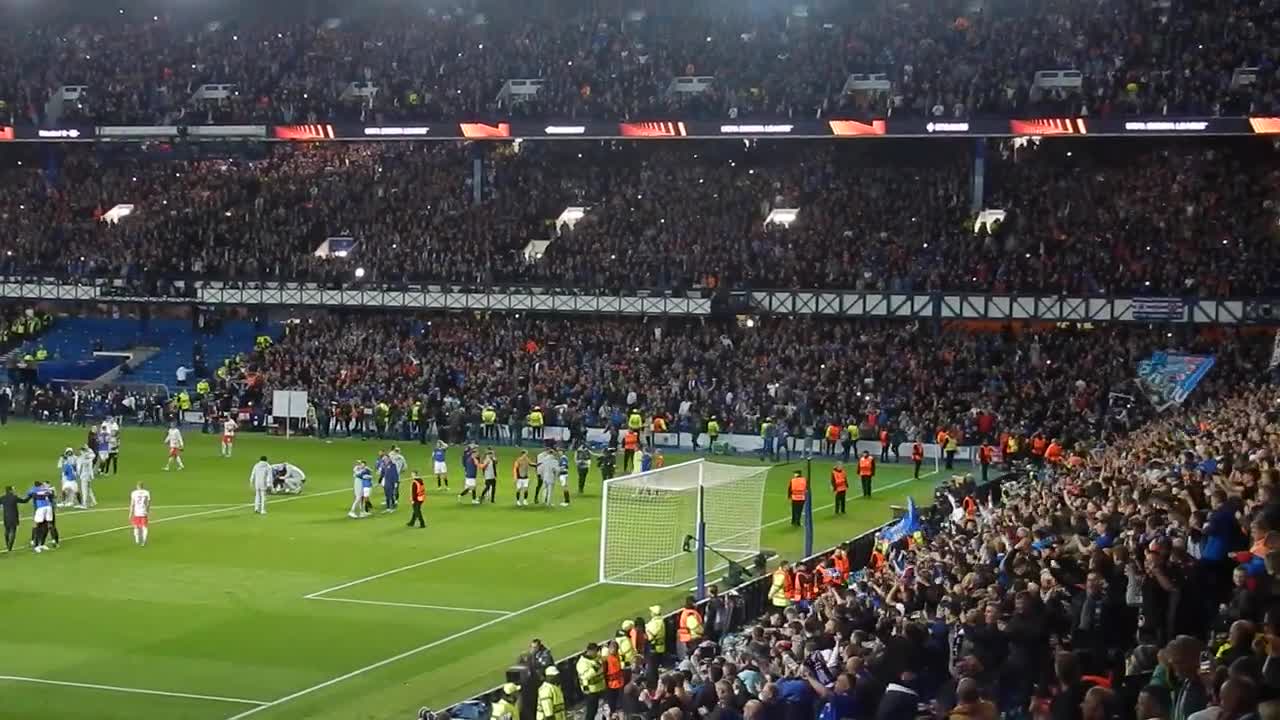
117, 213
781, 216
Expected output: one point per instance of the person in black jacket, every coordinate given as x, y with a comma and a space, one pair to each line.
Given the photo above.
899, 701
1067, 702
9, 507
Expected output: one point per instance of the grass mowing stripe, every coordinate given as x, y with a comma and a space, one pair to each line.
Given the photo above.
449, 608
135, 691
411, 652
316, 595
464, 633
201, 514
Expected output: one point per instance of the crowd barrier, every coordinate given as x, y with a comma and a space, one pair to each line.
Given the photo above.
743, 443
752, 603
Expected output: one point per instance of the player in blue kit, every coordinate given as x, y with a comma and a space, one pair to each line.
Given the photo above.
469, 472
362, 487
438, 465
646, 460
42, 497
562, 458
389, 474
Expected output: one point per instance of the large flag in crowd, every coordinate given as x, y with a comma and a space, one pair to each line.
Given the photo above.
1168, 378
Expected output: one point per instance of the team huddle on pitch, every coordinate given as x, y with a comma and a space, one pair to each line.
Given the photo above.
549, 468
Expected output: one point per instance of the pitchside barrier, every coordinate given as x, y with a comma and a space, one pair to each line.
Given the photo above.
753, 603
727, 443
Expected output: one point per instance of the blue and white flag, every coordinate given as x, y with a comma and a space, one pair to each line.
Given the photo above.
1168, 378
907, 524
1158, 309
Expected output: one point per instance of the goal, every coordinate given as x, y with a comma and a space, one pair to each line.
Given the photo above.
648, 517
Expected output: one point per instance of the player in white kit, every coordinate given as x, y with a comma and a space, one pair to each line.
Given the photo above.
85, 472
260, 479
139, 512
229, 428
173, 439
67, 471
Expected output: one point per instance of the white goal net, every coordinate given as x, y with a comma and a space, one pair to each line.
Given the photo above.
647, 517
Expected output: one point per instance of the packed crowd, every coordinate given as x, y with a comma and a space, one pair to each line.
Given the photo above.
1178, 219
1137, 583
1174, 220
610, 59
587, 372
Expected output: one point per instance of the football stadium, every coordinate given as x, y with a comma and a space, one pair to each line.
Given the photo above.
639, 360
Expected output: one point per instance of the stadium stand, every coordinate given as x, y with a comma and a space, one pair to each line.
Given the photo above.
1133, 578
396, 62
896, 217
829, 371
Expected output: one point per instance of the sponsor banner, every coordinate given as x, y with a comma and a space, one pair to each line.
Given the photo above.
947, 127
1159, 309
227, 131
653, 130
1049, 126
303, 132
856, 128
137, 132
9, 133
486, 132
1168, 378
1067, 127
1179, 126
1265, 125
749, 129
565, 130
65, 134
386, 132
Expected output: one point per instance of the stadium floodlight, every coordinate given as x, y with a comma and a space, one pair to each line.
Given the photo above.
359, 272
646, 518
781, 216
117, 213
570, 216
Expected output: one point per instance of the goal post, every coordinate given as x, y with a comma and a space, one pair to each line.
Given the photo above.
647, 519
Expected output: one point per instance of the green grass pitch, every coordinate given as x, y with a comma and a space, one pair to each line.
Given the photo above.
212, 620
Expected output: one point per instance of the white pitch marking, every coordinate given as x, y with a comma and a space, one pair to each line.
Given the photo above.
77, 511
454, 554
410, 653
136, 691
201, 514
450, 608
455, 636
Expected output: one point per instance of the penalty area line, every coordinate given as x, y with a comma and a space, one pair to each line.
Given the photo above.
411, 652
134, 691
458, 553
449, 608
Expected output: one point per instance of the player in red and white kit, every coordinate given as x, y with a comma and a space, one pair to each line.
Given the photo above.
139, 511
174, 440
229, 428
